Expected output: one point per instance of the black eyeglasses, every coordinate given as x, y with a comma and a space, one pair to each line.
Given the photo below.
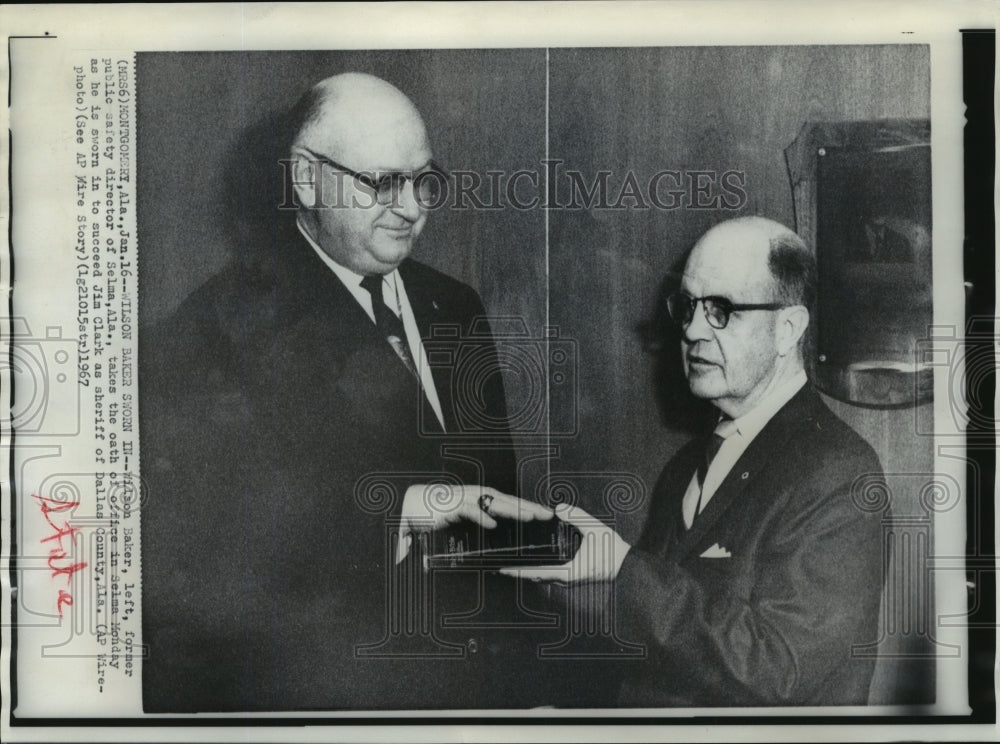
681, 306
428, 183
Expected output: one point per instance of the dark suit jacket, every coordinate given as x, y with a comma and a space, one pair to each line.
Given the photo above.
773, 624
279, 431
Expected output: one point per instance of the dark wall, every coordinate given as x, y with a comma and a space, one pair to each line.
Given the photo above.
594, 273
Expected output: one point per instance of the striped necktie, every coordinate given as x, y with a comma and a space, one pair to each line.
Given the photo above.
388, 323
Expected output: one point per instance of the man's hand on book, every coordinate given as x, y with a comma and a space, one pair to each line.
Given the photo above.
428, 506
599, 557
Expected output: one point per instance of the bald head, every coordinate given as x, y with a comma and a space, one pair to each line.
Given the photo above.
365, 120
762, 250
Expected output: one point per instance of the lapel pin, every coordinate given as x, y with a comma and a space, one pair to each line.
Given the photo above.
746, 474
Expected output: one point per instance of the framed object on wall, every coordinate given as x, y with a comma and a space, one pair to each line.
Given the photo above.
862, 194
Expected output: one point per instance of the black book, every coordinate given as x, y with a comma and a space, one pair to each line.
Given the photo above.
510, 543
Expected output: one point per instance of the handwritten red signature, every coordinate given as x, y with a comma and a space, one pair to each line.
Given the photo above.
58, 553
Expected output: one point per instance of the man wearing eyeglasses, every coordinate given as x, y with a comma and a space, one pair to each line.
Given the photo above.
758, 574
270, 548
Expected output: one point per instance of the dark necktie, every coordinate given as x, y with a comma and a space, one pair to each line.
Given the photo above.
721, 433
714, 445
391, 326
388, 323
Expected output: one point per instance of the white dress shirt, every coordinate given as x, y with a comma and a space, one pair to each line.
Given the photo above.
395, 298
744, 429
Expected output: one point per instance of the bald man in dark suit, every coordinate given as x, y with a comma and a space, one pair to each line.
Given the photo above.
759, 571
290, 417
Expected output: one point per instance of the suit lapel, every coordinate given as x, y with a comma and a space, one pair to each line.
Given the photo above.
665, 525
426, 307
766, 448
430, 310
